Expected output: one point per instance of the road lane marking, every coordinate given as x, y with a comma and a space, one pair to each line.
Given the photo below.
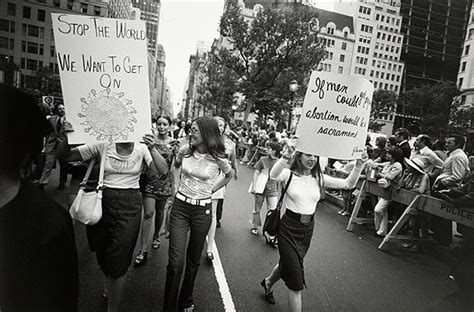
222, 281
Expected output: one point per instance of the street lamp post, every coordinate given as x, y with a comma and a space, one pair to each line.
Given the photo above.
293, 89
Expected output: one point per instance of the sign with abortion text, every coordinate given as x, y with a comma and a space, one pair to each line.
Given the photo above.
103, 66
335, 116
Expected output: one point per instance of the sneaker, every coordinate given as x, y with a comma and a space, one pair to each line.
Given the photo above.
380, 233
254, 231
346, 213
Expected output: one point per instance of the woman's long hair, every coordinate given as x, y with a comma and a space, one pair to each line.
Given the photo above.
316, 171
211, 137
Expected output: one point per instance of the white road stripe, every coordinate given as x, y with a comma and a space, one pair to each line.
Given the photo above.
222, 281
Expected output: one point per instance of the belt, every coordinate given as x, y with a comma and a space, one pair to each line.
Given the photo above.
303, 218
196, 202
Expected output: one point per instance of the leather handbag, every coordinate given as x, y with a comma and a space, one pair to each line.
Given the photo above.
87, 206
272, 220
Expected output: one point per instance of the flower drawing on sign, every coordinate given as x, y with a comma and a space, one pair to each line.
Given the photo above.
107, 115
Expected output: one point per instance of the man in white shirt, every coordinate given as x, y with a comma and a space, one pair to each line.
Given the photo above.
433, 163
455, 167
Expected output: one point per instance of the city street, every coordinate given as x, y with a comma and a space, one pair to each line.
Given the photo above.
344, 271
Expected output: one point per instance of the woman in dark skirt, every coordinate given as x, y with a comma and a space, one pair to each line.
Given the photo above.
113, 238
296, 228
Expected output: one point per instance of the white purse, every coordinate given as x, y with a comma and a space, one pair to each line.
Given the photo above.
87, 206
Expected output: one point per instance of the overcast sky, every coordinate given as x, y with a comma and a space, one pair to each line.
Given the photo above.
182, 24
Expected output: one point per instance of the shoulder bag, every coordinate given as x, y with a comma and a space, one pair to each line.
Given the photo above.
87, 206
272, 220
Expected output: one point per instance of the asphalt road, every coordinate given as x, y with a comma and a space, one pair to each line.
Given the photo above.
344, 270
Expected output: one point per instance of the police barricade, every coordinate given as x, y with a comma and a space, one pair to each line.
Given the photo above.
415, 203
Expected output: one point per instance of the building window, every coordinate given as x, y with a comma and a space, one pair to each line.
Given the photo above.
3, 43
51, 51
41, 15
4, 25
342, 58
69, 4
460, 83
344, 46
31, 64
340, 70
26, 12
11, 9
463, 66
466, 50
330, 31
96, 11
375, 84
57, 3
83, 8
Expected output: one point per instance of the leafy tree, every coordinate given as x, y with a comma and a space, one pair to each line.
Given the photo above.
48, 82
383, 102
274, 42
436, 106
8, 68
217, 88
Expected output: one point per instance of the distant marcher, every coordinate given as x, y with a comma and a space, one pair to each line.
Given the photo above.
38, 259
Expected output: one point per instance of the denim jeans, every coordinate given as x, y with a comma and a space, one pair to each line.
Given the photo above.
184, 217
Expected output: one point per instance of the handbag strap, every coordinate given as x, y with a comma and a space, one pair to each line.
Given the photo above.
100, 185
88, 172
284, 190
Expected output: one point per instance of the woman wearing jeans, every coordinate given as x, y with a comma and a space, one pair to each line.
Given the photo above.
196, 175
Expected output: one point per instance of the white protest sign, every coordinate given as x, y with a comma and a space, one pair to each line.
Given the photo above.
104, 77
335, 116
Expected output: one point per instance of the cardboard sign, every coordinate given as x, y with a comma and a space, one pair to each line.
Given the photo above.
335, 116
104, 77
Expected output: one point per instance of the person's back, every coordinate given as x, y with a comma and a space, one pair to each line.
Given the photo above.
38, 260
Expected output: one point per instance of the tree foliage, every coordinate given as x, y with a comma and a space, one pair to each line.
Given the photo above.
267, 52
216, 88
8, 68
383, 102
437, 107
48, 82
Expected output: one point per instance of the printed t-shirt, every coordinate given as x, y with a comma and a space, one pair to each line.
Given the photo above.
121, 172
199, 173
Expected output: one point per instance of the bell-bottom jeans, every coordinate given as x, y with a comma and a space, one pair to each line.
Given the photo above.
185, 217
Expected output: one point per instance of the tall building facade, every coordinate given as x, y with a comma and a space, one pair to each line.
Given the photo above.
26, 36
150, 12
466, 69
197, 62
434, 34
119, 8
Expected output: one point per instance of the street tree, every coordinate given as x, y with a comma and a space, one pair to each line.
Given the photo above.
48, 82
436, 106
8, 68
383, 103
274, 41
217, 88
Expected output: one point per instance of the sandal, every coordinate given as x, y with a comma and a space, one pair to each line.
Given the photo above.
156, 243
210, 256
140, 259
268, 294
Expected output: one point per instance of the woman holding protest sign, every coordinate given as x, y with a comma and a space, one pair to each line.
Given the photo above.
305, 183
113, 238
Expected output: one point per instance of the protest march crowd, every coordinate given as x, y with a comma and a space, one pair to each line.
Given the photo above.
179, 175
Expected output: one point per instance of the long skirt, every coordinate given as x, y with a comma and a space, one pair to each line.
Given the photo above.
294, 239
